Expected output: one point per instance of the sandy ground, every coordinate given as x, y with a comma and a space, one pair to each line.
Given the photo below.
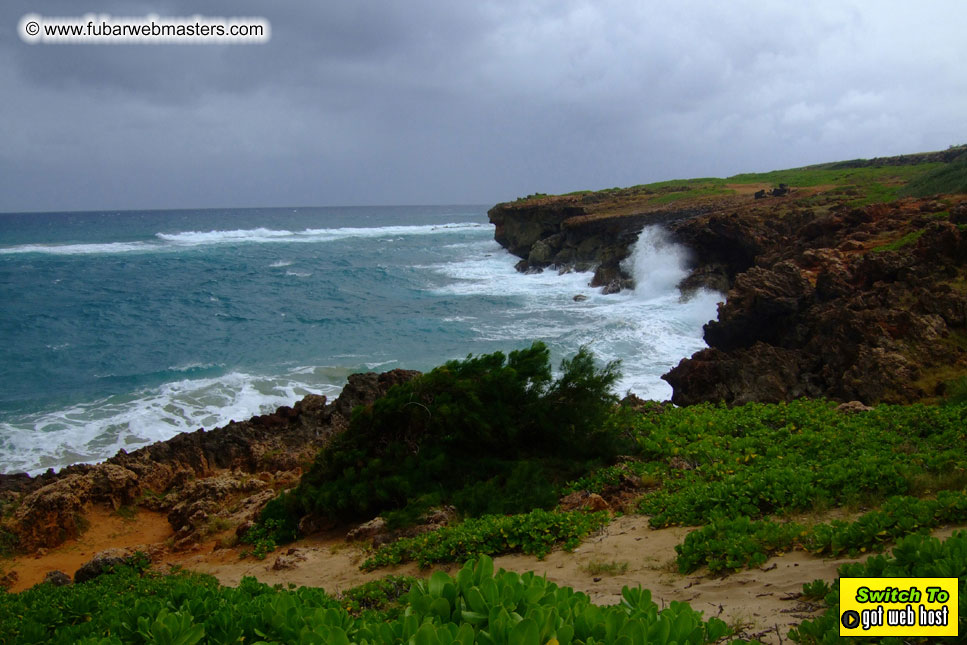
762, 602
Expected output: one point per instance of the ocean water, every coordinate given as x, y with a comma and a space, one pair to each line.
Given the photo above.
118, 329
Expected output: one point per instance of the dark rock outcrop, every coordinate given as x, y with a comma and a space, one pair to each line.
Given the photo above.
102, 563
57, 578
855, 304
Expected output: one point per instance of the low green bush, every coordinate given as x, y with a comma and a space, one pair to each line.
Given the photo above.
489, 434
728, 544
476, 606
534, 533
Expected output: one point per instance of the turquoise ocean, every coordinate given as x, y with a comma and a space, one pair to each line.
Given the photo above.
118, 329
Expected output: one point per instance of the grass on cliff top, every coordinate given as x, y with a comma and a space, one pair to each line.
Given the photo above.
947, 178
871, 183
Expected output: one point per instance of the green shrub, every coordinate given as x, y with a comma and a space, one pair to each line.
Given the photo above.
731, 544
534, 533
490, 434
477, 605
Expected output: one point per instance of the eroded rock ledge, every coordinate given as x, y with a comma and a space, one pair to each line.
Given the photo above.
866, 304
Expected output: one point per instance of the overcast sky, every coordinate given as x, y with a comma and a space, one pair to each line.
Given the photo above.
436, 102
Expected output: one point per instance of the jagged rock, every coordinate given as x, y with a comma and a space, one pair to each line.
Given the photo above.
102, 563
57, 578
759, 307
114, 485
817, 317
611, 277
757, 373
562, 231
289, 560
379, 533
48, 516
852, 406
363, 389
8, 579
367, 530
208, 496
437, 517
540, 254
678, 463
712, 277
312, 524
585, 501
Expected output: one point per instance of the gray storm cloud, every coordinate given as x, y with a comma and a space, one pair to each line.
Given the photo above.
437, 102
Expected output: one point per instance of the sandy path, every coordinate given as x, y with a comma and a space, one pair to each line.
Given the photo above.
762, 602
106, 530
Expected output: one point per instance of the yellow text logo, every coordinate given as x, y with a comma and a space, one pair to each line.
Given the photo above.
898, 606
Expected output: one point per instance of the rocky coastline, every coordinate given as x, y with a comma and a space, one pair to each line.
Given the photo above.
825, 296
204, 480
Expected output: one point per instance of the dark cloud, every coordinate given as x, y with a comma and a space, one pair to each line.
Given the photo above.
430, 102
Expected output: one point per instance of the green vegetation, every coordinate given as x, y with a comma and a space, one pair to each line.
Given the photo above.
914, 556
534, 533
815, 590
757, 459
8, 543
947, 178
476, 606
384, 595
492, 434
731, 544
906, 240
738, 472
839, 174
864, 181
658, 193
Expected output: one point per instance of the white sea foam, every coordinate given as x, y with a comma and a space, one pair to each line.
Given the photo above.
264, 235
92, 432
190, 239
650, 329
81, 249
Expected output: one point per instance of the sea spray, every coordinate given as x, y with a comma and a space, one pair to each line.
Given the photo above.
657, 264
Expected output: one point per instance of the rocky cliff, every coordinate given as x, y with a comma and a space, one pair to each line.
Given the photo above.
850, 303
837, 286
